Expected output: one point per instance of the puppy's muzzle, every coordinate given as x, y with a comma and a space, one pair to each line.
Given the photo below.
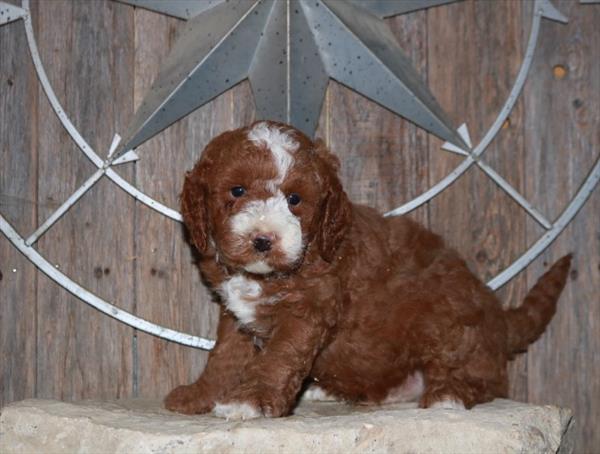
262, 243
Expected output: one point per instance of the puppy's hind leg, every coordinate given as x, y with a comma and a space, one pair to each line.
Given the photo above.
410, 390
462, 386
442, 390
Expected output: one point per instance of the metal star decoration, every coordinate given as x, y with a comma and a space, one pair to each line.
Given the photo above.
10, 13
541, 9
288, 49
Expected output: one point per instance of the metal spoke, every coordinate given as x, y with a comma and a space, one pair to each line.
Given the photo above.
93, 300
542, 8
504, 185
72, 200
547, 238
85, 187
515, 195
77, 137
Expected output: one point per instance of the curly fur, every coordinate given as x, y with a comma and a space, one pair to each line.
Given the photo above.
371, 309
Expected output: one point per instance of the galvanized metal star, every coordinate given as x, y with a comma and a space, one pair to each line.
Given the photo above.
288, 49
10, 13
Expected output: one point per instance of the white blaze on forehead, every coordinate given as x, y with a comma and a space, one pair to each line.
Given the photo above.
281, 144
270, 216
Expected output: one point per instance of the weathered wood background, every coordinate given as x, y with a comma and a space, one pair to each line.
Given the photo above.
101, 57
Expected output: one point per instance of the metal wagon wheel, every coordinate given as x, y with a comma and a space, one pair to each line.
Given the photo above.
473, 156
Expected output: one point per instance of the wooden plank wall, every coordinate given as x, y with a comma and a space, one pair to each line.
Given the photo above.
563, 367
101, 57
18, 204
79, 352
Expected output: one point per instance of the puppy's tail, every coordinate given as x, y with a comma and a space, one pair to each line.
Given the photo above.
527, 322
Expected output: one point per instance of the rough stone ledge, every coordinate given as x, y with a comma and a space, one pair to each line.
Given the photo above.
142, 426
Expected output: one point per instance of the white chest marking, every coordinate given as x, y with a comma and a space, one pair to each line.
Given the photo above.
241, 296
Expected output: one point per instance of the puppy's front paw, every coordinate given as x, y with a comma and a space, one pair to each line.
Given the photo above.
188, 399
316, 393
236, 410
252, 401
446, 397
275, 405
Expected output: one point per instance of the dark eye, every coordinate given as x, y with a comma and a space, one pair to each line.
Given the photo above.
293, 199
238, 191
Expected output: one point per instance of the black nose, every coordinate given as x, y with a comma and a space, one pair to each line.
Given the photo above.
262, 243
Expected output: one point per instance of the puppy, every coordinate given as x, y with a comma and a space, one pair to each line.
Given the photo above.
315, 289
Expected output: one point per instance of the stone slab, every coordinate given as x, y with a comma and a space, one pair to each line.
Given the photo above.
143, 426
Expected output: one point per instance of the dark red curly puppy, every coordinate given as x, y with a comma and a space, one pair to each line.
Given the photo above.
316, 289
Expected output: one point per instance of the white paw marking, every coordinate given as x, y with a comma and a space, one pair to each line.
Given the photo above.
239, 410
449, 404
317, 393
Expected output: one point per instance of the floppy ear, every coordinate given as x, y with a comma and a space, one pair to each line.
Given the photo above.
193, 210
334, 223
335, 209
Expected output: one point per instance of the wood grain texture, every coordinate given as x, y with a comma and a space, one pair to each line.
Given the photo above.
80, 352
18, 100
562, 137
168, 286
102, 56
383, 157
475, 50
